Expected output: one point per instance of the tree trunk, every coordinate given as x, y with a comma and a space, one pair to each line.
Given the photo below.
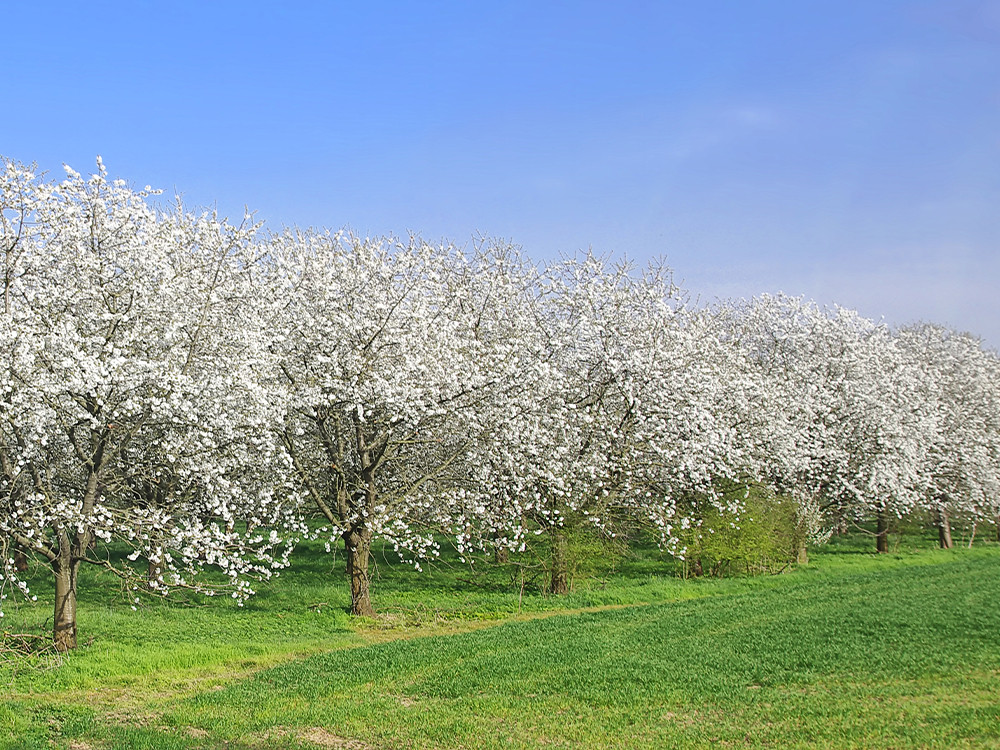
944, 529
559, 573
501, 555
357, 545
20, 560
882, 531
801, 540
801, 551
64, 617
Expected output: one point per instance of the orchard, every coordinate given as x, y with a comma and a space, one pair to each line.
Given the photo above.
205, 394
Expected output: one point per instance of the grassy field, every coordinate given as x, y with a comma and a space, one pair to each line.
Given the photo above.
851, 650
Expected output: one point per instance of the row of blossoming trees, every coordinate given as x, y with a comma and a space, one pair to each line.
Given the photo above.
195, 391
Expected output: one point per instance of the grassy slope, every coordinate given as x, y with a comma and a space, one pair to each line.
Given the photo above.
850, 651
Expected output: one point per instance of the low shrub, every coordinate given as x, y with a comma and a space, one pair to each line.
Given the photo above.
766, 537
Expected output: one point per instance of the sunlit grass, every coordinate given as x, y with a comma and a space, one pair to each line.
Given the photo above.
894, 655
852, 650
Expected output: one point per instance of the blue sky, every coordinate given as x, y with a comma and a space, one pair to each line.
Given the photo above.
848, 151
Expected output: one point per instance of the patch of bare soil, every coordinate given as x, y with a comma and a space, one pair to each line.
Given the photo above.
313, 735
395, 626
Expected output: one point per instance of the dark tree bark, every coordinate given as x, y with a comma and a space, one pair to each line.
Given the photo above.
357, 545
349, 501
882, 531
559, 564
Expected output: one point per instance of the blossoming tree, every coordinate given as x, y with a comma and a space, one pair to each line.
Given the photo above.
380, 368
130, 406
846, 436
960, 390
619, 414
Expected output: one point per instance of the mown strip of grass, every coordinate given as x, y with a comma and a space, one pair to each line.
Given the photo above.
853, 652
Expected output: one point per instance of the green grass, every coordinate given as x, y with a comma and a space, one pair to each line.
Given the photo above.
852, 650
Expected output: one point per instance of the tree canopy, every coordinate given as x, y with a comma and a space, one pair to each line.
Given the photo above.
197, 390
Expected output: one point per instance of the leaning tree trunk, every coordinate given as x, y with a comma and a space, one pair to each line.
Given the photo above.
882, 531
357, 545
944, 529
65, 568
559, 564
72, 550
